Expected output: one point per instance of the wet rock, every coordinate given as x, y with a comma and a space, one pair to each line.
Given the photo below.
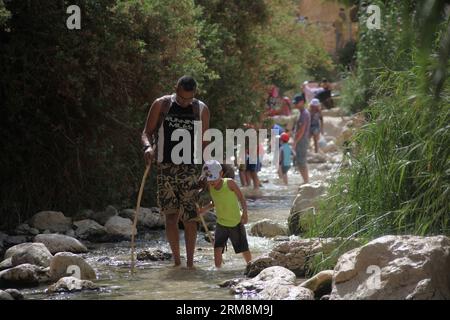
103, 216
325, 297
32, 253
53, 221
24, 275
268, 228
154, 255
71, 284
320, 284
65, 264
395, 267
5, 295
91, 230
274, 283
15, 294
119, 228
25, 229
297, 255
60, 243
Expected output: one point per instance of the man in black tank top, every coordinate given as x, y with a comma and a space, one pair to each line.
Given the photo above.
178, 175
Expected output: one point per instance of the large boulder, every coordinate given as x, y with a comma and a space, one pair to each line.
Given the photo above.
149, 218
395, 267
274, 283
65, 264
120, 228
303, 207
297, 255
24, 275
6, 264
32, 253
320, 284
103, 216
299, 222
60, 243
53, 221
90, 230
268, 228
5, 296
71, 284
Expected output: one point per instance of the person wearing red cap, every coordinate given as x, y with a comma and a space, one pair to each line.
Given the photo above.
285, 156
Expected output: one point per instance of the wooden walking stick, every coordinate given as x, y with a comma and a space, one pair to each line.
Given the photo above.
138, 207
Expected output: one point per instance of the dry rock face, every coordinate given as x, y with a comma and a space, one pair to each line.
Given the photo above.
64, 264
32, 253
274, 283
24, 275
296, 255
53, 221
60, 243
268, 228
395, 267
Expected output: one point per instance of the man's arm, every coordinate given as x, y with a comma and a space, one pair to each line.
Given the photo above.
234, 187
149, 129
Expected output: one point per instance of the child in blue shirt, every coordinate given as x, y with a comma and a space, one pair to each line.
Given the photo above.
285, 156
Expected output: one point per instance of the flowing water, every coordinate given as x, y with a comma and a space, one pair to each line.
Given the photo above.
158, 280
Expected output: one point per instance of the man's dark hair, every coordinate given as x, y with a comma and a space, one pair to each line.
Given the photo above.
187, 83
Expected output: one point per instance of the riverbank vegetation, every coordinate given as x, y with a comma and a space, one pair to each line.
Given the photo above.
397, 178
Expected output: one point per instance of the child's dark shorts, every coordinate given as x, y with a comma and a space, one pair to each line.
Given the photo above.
237, 235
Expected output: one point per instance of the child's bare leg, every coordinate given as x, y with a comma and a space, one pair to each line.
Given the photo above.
316, 143
285, 179
247, 256
218, 257
255, 180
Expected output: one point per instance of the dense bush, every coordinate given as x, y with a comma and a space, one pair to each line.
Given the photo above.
73, 102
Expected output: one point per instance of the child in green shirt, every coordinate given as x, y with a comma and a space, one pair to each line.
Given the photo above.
226, 197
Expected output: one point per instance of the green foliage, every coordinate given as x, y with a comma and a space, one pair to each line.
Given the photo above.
398, 177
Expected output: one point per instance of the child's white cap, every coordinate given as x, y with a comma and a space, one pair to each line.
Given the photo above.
211, 170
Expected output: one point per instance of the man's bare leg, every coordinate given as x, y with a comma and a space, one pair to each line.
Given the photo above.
190, 237
304, 173
173, 237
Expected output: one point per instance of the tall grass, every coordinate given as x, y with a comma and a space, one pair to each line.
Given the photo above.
399, 178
